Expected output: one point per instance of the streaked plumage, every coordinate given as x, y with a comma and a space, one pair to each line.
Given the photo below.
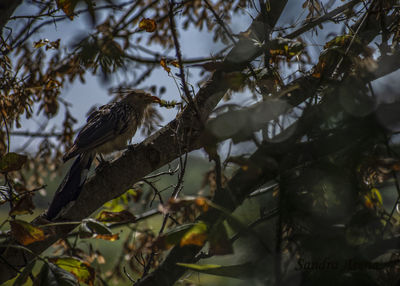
107, 129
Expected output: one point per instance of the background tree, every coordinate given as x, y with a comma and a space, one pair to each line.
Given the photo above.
323, 166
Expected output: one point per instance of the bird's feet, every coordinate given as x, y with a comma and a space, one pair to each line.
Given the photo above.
102, 163
132, 147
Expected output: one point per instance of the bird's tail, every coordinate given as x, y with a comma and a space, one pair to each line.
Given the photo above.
71, 185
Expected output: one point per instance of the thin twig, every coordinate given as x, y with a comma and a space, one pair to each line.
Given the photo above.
127, 275
220, 22
156, 192
351, 42
229, 34
61, 18
169, 172
180, 62
7, 132
35, 134
313, 23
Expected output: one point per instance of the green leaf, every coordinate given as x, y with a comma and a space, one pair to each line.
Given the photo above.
80, 269
51, 275
95, 227
22, 278
12, 162
240, 271
172, 237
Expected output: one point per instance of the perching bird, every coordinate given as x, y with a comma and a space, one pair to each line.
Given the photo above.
107, 129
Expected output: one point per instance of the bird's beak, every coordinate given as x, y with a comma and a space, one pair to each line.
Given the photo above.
155, 99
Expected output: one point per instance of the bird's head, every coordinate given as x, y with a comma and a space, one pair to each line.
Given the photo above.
140, 97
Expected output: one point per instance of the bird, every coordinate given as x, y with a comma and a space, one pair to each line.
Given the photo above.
107, 129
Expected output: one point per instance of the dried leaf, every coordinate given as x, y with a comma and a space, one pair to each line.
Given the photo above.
25, 233
149, 25
24, 205
40, 43
12, 162
163, 63
122, 216
68, 6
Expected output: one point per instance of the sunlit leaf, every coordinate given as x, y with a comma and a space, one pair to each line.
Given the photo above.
168, 104
373, 199
12, 162
149, 25
120, 203
122, 216
286, 48
196, 235
80, 269
241, 271
25, 233
40, 43
51, 275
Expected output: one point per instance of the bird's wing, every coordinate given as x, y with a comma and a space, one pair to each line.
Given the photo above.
100, 128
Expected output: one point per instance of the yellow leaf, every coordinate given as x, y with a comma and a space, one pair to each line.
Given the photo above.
376, 196
81, 269
149, 25
373, 199
163, 63
40, 43
25, 233
196, 235
175, 64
